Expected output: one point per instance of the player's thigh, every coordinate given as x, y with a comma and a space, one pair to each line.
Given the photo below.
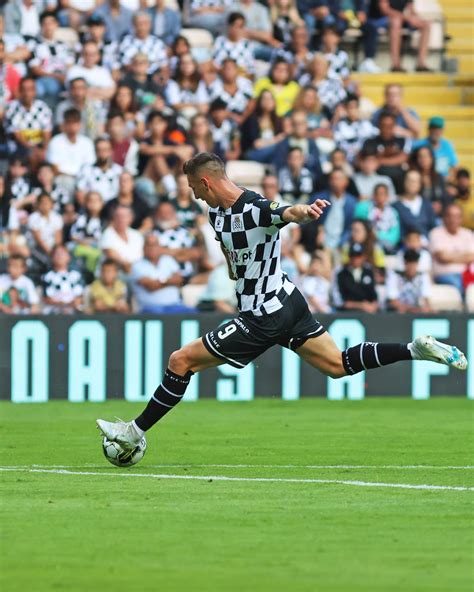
322, 353
192, 356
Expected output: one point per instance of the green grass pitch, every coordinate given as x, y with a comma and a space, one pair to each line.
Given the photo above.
302, 512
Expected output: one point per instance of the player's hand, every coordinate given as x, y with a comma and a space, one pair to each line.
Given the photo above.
315, 210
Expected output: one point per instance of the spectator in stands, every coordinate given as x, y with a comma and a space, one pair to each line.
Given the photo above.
120, 241
50, 60
383, 217
337, 160
69, 151
22, 17
400, 12
407, 121
300, 137
433, 184
330, 89
225, 132
45, 227
124, 147
9, 220
187, 209
17, 292
145, 91
279, 83
63, 287
107, 49
234, 45
86, 231
10, 79
413, 241
316, 287
352, 131
92, 110
47, 182
128, 197
200, 135
156, 280
270, 188
318, 124
295, 180
208, 14
338, 218
219, 295
452, 247
415, 212
445, 155
285, 19
101, 176
461, 192
296, 52
391, 150
366, 179
187, 94
258, 28
18, 183
337, 58
262, 130
362, 232
28, 123
117, 18
100, 84
408, 290
166, 22
108, 293
354, 285
234, 90
123, 102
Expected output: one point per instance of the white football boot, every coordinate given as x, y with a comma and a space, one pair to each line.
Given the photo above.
125, 433
428, 348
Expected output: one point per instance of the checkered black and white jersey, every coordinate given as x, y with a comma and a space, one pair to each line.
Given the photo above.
93, 178
249, 233
177, 238
351, 135
51, 56
236, 103
28, 121
240, 51
152, 47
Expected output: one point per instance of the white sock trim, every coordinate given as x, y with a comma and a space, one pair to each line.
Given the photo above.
139, 431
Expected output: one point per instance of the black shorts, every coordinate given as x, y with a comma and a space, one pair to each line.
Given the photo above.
244, 338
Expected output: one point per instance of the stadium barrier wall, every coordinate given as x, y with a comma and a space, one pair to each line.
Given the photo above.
114, 357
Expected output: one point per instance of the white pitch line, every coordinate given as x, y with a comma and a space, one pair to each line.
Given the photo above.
257, 466
245, 479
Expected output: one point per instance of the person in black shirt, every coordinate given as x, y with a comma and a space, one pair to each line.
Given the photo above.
145, 88
141, 212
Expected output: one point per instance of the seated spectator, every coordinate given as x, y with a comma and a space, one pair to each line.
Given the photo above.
461, 192
413, 241
156, 280
117, 18
50, 60
258, 28
200, 136
18, 183
123, 103
433, 185
234, 90
285, 19
299, 137
366, 179
354, 286
47, 182
408, 290
28, 123
45, 227
383, 217
17, 292
262, 130
407, 121
330, 89
316, 287
352, 131
127, 196
10, 77
279, 83
63, 287
69, 151
219, 295
166, 22
120, 241
208, 14
176, 240
187, 208
145, 90
142, 41
234, 45
452, 248
400, 12
96, 31
124, 147
338, 218
101, 176
9, 221
187, 93
92, 110
100, 84
415, 212
295, 52
108, 293
270, 188
86, 232
363, 234
308, 101
446, 159
337, 160
392, 150
22, 17
74, 13
337, 58
295, 180
225, 132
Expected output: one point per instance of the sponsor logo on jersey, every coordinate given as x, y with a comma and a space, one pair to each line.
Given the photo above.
241, 256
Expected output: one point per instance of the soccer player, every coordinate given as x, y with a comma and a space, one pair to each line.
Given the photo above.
271, 309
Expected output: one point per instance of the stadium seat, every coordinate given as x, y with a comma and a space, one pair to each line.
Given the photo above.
201, 43
445, 299
391, 262
67, 35
191, 294
245, 172
470, 298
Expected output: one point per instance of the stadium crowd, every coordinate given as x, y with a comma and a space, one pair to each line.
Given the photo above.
96, 216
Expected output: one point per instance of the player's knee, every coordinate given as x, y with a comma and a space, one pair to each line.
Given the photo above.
180, 361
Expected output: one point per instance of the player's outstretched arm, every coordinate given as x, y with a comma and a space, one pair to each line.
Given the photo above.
305, 213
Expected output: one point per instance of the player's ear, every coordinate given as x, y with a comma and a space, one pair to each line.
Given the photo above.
205, 182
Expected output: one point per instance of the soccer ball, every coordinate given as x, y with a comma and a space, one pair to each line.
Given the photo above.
119, 457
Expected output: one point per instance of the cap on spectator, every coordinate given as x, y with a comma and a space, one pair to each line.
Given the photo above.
437, 122
411, 256
95, 19
356, 250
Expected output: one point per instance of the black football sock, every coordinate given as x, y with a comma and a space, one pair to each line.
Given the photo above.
167, 395
366, 356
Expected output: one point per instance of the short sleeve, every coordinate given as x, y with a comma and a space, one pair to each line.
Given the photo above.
270, 213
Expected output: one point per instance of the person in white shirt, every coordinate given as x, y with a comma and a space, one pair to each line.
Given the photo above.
17, 292
408, 290
120, 242
45, 226
316, 287
99, 80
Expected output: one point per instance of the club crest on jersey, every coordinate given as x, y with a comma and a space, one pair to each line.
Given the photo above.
237, 222
219, 225
274, 205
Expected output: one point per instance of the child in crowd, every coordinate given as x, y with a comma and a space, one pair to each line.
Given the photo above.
316, 288
17, 292
337, 58
413, 242
86, 231
295, 180
45, 226
409, 290
63, 289
109, 293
